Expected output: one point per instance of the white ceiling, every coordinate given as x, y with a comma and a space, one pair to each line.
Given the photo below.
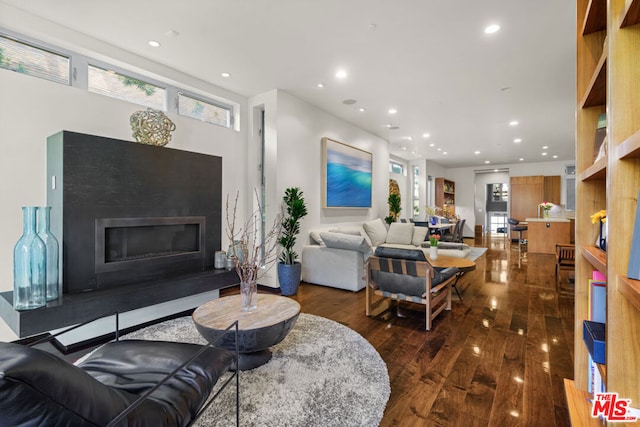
429, 59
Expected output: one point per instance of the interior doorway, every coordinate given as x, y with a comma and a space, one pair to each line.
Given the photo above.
492, 201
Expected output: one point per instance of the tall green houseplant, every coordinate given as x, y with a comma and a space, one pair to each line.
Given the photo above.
295, 209
289, 271
395, 206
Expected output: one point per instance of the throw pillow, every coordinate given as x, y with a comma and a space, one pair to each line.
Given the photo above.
376, 231
400, 233
315, 237
419, 235
345, 241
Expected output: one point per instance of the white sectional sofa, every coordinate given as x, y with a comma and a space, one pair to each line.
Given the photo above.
335, 256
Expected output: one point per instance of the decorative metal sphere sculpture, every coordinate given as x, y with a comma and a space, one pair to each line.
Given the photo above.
151, 127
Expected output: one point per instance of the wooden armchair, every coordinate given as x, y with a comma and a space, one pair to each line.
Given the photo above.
565, 259
403, 279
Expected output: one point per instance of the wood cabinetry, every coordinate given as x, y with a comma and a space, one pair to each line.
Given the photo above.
446, 195
527, 192
608, 79
543, 235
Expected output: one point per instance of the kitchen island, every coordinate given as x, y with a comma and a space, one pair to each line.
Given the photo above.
545, 233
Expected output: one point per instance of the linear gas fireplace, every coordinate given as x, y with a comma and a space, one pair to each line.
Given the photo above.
170, 243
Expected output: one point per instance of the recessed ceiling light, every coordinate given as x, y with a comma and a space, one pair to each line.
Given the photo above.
320, 85
476, 152
439, 149
496, 170
522, 159
426, 135
493, 28
517, 140
341, 74
544, 153
513, 123
486, 162
362, 109
555, 156
404, 148
408, 138
154, 43
392, 111
545, 147
225, 74
432, 145
444, 152
372, 27
172, 34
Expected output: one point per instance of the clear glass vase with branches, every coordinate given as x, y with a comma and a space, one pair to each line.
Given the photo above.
258, 253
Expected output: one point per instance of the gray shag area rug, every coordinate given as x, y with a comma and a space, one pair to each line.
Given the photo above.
321, 374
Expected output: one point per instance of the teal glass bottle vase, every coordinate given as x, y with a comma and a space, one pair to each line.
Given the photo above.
29, 265
44, 232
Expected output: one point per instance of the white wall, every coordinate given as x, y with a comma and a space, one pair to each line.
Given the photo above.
301, 127
293, 138
32, 109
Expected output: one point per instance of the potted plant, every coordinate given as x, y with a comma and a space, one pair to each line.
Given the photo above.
395, 206
289, 270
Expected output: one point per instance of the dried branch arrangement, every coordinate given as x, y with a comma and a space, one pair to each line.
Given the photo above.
257, 256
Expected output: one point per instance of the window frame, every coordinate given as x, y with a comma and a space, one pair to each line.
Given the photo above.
126, 73
46, 47
78, 76
206, 100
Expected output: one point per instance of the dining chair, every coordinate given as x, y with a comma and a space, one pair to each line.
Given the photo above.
565, 260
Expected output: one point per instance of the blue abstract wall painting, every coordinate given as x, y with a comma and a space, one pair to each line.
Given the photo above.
347, 175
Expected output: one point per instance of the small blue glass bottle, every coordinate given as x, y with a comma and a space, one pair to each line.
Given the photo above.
44, 232
29, 265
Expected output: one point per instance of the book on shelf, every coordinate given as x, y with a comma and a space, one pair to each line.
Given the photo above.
597, 301
600, 142
633, 269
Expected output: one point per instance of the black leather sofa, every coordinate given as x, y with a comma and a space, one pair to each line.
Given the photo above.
37, 388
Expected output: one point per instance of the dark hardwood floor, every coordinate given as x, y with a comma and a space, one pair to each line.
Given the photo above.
497, 358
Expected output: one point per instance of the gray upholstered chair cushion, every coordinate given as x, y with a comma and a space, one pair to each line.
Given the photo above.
400, 253
410, 285
406, 283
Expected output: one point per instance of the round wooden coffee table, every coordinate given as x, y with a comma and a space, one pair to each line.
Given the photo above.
258, 330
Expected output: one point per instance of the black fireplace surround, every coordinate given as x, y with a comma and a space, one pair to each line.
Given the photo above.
138, 225
121, 206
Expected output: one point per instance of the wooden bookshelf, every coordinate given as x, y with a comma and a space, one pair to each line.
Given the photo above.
610, 54
630, 14
579, 405
596, 171
630, 147
630, 288
595, 18
597, 91
596, 257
